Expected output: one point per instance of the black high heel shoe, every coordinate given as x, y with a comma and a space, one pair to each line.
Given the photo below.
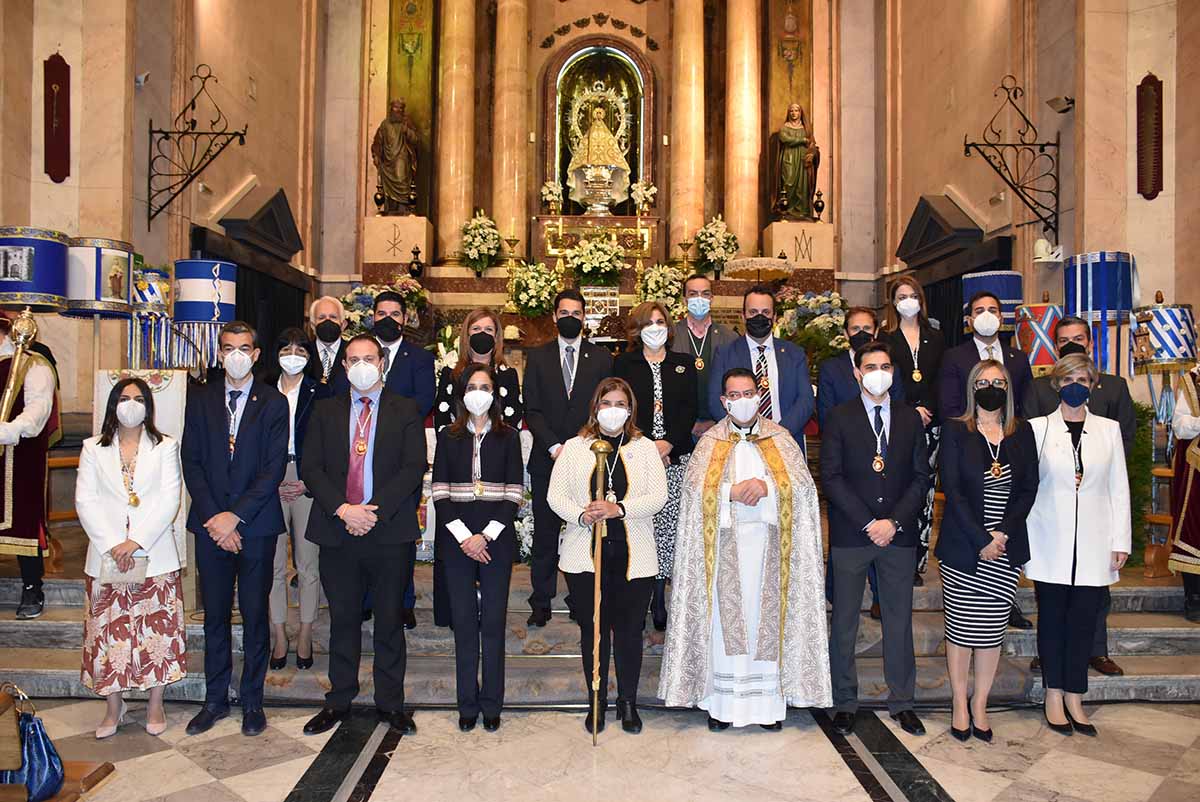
963, 735
1082, 729
304, 663
278, 663
1061, 729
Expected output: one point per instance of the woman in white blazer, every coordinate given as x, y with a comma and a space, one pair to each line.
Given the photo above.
127, 494
1080, 535
636, 490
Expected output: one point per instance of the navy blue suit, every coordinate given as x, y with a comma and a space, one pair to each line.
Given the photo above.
409, 375
795, 387
248, 486
836, 385
956, 366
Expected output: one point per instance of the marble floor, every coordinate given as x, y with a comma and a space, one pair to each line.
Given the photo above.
1145, 753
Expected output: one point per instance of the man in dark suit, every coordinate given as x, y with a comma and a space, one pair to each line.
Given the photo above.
780, 367
364, 460
560, 378
328, 320
234, 455
836, 382
1109, 399
875, 470
983, 310
701, 337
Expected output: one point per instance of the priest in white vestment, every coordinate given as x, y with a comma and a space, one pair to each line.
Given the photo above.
748, 633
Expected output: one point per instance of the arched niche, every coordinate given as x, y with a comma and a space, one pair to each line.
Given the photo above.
573, 59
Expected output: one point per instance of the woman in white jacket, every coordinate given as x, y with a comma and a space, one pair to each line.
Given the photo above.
636, 490
127, 494
1079, 536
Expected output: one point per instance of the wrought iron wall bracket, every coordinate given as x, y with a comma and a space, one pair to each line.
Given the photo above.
1027, 166
179, 155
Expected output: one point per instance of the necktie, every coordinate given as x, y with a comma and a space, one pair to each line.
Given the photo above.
568, 368
326, 360
358, 455
763, 378
991, 349
880, 433
234, 395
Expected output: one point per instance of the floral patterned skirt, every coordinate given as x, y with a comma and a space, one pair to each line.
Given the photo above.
134, 637
666, 522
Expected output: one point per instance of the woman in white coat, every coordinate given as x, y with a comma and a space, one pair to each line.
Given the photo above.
127, 494
1080, 535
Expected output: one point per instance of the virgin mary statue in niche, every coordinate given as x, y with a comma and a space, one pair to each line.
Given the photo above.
598, 175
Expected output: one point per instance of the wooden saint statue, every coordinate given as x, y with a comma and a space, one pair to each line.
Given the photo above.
394, 154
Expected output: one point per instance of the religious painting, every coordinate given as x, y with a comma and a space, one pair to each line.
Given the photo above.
16, 263
116, 275
411, 40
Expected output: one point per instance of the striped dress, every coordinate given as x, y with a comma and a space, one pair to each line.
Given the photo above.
977, 605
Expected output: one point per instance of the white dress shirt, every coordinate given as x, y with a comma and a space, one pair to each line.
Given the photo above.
389, 355
293, 398
235, 421
997, 353
327, 352
772, 371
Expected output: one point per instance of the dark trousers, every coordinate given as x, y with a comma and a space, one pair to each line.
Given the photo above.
32, 570
623, 604
1100, 640
1066, 627
348, 572
252, 571
479, 621
543, 574
895, 566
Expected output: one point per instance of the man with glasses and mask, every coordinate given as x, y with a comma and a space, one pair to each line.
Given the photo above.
1109, 398
701, 337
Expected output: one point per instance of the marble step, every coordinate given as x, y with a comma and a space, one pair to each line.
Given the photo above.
1153, 678
1128, 634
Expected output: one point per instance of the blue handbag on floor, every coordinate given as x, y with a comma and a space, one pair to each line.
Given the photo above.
41, 769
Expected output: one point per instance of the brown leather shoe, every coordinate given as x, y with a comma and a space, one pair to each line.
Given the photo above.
875, 611
1106, 666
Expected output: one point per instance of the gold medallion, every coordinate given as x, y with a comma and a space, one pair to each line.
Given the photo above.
133, 499
610, 497
916, 375
764, 382
699, 363
232, 443
997, 471
877, 464
478, 488
360, 447
658, 406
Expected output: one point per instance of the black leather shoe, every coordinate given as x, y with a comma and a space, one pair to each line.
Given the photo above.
398, 720
1106, 666
1191, 608
587, 720
1082, 729
304, 663
325, 721
33, 604
1017, 620
776, 727
918, 580
909, 722
253, 722
410, 619
539, 618
630, 720
467, 723
491, 724
717, 726
204, 720
843, 723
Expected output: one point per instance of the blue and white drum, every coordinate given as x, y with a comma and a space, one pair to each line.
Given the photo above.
1163, 339
1008, 285
205, 291
98, 277
1100, 286
33, 268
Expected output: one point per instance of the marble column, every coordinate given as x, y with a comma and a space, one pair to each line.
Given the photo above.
743, 122
510, 161
687, 121
456, 125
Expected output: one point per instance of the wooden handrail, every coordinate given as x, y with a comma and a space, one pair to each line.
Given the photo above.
56, 463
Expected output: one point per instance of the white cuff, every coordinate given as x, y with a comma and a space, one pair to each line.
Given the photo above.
554, 448
493, 530
459, 530
868, 526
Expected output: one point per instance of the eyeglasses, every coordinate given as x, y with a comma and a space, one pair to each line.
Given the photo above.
982, 384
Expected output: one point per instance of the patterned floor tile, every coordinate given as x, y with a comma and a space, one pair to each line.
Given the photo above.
235, 755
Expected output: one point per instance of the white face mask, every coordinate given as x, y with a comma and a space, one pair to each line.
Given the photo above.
986, 324
743, 410
131, 413
877, 382
477, 402
654, 335
908, 307
292, 363
238, 364
363, 375
612, 419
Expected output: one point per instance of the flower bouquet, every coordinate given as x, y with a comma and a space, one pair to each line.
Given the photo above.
552, 196
814, 321
596, 262
716, 244
533, 288
663, 283
643, 193
445, 349
480, 242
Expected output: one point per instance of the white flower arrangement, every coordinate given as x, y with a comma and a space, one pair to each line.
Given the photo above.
359, 303
552, 192
596, 261
663, 283
524, 529
643, 193
716, 243
533, 289
480, 241
445, 350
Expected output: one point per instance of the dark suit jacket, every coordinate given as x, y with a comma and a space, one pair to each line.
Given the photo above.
549, 414
679, 396
398, 468
836, 385
1109, 399
247, 485
507, 395
337, 373
795, 386
310, 391
963, 460
719, 335
956, 366
410, 376
856, 493
933, 348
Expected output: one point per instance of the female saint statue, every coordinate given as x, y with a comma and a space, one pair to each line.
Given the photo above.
598, 148
796, 167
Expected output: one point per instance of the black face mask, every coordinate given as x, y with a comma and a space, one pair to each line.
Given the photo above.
758, 326
569, 327
387, 329
1066, 349
860, 338
482, 342
328, 331
991, 398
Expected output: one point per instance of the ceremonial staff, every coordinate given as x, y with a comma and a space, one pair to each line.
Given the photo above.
601, 449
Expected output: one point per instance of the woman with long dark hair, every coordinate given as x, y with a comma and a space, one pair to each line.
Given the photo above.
478, 486
127, 493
